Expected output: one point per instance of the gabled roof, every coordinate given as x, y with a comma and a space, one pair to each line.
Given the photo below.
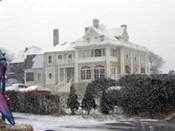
66, 46
107, 32
38, 61
23, 54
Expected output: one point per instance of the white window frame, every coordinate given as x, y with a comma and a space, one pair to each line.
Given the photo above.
142, 58
88, 39
86, 73
99, 72
113, 52
113, 72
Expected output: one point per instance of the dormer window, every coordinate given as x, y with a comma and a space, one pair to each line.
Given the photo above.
102, 37
96, 38
88, 39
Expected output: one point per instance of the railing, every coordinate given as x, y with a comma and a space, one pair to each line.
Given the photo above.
63, 61
63, 84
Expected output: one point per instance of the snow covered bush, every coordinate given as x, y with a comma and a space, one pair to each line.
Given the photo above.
147, 95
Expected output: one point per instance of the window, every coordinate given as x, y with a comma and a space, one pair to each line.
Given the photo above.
127, 54
50, 75
70, 56
142, 58
113, 72
92, 53
85, 73
134, 56
142, 70
135, 70
29, 76
114, 52
96, 38
97, 52
127, 69
61, 74
49, 59
59, 57
39, 76
88, 39
99, 72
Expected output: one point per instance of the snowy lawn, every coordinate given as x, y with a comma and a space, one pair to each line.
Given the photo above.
67, 122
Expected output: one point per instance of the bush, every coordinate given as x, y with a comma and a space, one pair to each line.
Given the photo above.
88, 102
72, 101
147, 95
100, 85
33, 102
106, 103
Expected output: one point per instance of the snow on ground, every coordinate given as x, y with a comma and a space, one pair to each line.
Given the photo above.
41, 123
94, 122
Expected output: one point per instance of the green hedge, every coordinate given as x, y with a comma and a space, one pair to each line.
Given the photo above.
147, 95
33, 102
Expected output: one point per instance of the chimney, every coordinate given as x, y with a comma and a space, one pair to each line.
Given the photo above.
86, 29
125, 26
96, 23
55, 37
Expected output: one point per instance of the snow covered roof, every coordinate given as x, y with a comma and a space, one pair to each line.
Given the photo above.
38, 61
66, 46
107, 32
23, 54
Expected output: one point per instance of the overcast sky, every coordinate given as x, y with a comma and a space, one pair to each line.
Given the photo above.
150, 23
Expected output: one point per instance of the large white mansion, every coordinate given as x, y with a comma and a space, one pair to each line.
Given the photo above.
101, 52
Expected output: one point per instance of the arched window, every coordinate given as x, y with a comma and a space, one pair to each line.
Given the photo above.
127, 69
85, 73
99, 72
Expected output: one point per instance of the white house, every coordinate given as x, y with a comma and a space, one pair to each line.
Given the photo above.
101, 52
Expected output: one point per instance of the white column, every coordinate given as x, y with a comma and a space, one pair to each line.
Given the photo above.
139, 62
122, 68
131, 62
76, 66
108, 64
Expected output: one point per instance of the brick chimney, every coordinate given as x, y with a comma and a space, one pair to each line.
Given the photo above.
125, 26
55, 37
96, 23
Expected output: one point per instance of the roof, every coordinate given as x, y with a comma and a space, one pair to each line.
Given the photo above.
108, 32
38, 61
66, 46
33, 50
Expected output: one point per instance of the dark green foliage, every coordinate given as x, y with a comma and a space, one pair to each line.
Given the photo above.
33, 102
100, 85
106, 103
72, 102
88, 102
147, 95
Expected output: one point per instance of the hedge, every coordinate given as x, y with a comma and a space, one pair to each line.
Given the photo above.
33, 102
147, 95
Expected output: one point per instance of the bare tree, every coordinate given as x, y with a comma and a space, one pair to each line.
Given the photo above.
9, 56
156, 63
